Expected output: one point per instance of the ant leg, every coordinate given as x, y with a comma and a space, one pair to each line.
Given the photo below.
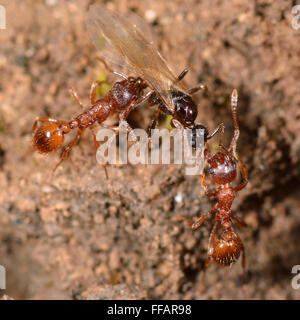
199, 87
244, 173
74, 95
219, 128
212, 239
94, 86
105, 64
207, 153
176, 124
118, 129
180, 77
198, 223
67, 149
188, 151
238, 221
134, 104
241, 186
43, 120
97, 145
211, 245
154, 121
204, 186
123, 127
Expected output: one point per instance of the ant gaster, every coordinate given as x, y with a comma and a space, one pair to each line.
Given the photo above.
223, 170
121, 98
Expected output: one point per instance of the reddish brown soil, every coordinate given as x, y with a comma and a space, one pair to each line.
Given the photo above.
71, 239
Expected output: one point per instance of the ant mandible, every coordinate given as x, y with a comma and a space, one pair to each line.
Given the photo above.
223, 170
124, 96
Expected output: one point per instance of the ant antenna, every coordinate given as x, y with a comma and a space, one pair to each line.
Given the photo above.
120, 74
234, 105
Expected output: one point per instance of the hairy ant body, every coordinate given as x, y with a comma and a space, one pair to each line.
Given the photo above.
121, 98
223, 170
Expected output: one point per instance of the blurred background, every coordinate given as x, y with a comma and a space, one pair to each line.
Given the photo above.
71, 239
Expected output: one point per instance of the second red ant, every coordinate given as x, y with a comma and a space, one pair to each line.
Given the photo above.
223, 170
121, 98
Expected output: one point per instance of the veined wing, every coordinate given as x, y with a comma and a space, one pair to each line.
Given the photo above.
123, 43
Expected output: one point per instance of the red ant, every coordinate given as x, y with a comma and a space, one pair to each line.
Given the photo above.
223, 170
122, 98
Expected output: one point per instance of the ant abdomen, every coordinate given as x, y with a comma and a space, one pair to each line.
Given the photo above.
48, 138
227, 249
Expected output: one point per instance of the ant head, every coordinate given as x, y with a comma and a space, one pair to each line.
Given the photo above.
49, 137
140, 83
222, 168
137, 83
186, 110
227, 249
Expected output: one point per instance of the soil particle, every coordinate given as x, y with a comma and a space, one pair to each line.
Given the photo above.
70, 239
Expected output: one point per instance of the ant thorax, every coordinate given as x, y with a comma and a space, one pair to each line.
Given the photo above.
225, 194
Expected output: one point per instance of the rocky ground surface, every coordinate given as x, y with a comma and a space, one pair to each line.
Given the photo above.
71, 239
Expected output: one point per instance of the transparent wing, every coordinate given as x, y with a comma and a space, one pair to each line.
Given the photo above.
144, 28
122, 41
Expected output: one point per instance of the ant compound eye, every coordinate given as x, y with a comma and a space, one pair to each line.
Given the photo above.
47, 138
